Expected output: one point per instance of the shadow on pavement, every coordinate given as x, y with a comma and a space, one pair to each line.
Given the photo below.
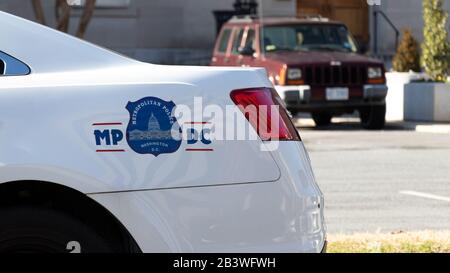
346, 124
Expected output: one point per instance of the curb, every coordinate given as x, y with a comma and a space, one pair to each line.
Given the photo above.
421, 127
436, 129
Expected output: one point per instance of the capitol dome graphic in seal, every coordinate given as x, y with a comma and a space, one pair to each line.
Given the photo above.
152, 128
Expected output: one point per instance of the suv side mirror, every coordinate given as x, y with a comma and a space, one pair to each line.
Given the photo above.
246, 51
362, 48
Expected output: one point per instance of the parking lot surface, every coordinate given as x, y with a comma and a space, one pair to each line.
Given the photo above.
381, 181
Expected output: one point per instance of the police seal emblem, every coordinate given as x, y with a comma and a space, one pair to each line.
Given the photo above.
152, 128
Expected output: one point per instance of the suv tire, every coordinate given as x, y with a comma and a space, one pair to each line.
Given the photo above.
373, 117
322, 119
38, 230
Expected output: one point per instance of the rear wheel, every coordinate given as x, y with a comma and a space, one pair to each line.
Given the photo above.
37, 230
322, 119
373, 117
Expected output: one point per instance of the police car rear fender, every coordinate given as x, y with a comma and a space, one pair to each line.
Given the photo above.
115, 138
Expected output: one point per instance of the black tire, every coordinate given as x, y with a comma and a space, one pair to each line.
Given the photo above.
373, 117
322, 119
37, 230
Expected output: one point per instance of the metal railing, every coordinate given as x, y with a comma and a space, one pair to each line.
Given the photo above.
375, 29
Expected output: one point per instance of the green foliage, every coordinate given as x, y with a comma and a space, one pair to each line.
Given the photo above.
407, 57
435, 47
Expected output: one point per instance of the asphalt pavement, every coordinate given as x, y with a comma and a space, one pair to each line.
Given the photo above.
381, 181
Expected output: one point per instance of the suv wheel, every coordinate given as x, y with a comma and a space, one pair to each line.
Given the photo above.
322, 119
37, 230
373, 117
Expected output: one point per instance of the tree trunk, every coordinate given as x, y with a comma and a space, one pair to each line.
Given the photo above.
62, 12
85, 17
38, 11
62, 15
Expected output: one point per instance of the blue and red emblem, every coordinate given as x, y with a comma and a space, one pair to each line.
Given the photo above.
152, 128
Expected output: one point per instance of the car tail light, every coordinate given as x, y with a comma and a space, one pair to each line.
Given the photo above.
261, 114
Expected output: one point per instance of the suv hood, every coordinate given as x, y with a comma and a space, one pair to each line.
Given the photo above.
318, 57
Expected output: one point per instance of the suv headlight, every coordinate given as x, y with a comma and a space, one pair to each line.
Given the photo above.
294, 74
374, 72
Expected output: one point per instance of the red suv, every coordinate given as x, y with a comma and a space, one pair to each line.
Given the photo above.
313, 63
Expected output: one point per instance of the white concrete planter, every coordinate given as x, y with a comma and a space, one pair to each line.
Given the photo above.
394, 100
427, 102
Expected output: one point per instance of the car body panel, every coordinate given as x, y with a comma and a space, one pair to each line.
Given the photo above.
52, 50
233, 196
270, 217
83, 106
315, 57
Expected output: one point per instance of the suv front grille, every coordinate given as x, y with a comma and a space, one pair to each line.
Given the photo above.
335, 75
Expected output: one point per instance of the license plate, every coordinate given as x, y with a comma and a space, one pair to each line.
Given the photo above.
338, 93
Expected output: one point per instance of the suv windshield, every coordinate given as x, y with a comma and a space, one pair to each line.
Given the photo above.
308, 37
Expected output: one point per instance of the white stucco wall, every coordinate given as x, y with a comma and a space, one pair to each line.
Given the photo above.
404, 14
279, 7
153, 30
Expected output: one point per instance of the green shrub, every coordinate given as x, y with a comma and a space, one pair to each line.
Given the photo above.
407, 57
435, 47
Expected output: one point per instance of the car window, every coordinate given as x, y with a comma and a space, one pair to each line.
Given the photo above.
2, 67
325, 37
237, 41
279, 37
223, 44
250, 41
10, 66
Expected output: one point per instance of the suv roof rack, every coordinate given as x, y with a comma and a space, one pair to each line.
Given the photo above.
243, 18
249, 18
314, 17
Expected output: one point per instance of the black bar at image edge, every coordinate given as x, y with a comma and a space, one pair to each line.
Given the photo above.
224, 262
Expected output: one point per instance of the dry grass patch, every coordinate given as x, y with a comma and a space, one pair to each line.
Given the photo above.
399, 242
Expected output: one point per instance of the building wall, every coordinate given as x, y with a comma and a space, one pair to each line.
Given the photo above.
279, 7
159, 31
404, 14
183, 31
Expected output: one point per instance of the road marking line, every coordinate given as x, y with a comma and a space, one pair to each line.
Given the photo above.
426, 195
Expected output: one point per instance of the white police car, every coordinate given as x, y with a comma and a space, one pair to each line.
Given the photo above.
101, 153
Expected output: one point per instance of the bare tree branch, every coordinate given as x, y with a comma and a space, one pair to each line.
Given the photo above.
57, 15
62, 15
38, 11
62, 12
85, 17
